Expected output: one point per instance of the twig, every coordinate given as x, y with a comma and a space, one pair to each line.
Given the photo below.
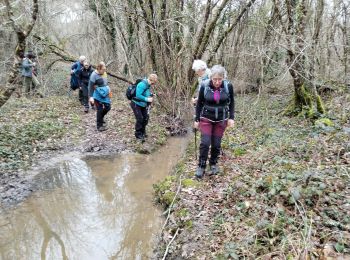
167, 247
170, 206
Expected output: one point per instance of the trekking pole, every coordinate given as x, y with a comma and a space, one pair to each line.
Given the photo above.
195, 132
195, 142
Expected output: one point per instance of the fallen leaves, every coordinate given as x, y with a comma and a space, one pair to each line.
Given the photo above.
284, 192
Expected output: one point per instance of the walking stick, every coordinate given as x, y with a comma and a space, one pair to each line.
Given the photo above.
195, 142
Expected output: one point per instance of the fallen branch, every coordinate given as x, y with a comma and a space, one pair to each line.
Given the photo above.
66, 56
167, 247
170, 206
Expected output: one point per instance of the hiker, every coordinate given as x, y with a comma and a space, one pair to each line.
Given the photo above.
214, 112
83, 79
99, 93
202, 72
74, 81
30, 81
141, 103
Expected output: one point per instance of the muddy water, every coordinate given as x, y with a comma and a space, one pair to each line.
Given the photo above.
91, 209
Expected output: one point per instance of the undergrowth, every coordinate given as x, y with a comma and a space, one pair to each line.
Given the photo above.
284, 188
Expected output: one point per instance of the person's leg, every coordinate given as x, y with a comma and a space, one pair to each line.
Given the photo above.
217, 133
145, 116
99, 114
106, 108
206, 129
36, 83
139, 119
81, 96
86, 98
27, 84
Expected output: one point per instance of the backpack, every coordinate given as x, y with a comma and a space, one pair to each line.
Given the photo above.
74, 81
103, 91
207, 88
131, 90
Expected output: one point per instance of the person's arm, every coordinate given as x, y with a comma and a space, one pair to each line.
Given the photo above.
73, 68
91, 85
232, 103
200, 103
140, 90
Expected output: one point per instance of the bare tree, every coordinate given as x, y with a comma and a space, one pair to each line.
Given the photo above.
305, 96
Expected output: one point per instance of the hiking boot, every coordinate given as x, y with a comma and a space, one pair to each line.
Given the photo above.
214, 170
199, 172
140, 138
101, 128
86, 109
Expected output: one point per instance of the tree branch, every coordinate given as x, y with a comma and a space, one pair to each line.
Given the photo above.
66, 56
229, 30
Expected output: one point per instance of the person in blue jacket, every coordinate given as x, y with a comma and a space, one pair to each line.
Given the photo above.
99, 93
140, 103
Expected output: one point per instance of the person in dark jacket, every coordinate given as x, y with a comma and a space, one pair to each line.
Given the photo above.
141, 103
74, 80
214, 112
83, 78
30, 82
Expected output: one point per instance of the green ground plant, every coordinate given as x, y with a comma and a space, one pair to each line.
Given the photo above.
283, 190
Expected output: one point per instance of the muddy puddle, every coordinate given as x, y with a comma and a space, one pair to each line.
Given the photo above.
97, 208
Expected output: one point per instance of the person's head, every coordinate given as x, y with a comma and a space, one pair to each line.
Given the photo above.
82, 59
217, 75
30, 55
152, 79
86, 64
101, 68
199, 67
21, 55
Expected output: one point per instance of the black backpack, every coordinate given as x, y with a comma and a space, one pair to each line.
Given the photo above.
205, 83
131, 90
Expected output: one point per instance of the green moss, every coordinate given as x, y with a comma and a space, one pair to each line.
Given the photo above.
180, 167
320, 106
324, 121
182, 213
304, 105
168, 198
186, 183
164, 185
239, 151
188, 224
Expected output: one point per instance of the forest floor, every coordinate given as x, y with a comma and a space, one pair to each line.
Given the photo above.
37, 132
283, 191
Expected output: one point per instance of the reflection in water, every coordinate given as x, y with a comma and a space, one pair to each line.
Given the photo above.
94, 209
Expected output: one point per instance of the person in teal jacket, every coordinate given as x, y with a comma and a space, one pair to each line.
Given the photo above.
140, 103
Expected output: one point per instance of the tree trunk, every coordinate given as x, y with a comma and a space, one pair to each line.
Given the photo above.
22, 32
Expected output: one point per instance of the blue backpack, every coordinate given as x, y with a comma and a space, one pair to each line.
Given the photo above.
74, 81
